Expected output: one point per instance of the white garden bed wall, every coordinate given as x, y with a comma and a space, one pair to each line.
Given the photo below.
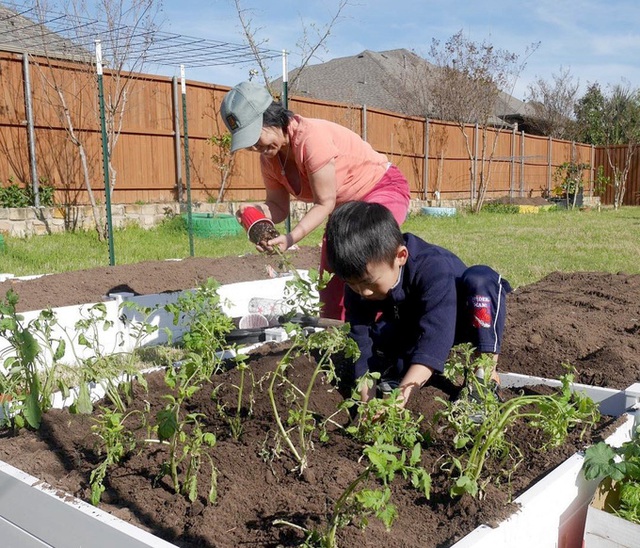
34, 515
120, 337
553, 512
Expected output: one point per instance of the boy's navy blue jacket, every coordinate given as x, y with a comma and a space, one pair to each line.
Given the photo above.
417, 321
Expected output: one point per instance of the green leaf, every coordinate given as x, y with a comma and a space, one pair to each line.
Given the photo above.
28, 345
19, 421
60, 350
167, 424
464, 484
31, 411
83, 403
599, 462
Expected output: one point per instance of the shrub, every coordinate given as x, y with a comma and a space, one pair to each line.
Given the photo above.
13, 195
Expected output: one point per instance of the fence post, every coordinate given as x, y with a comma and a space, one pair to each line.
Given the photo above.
512, 163
522, 164
176, 138
592, 171
549, 157
425, 167
474, 179
364, 122
31, 136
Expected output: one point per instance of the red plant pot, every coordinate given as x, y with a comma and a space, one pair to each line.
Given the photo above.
251, 216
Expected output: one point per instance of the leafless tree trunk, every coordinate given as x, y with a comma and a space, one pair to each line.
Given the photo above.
620, 174
311, 40
466, 85
123, 22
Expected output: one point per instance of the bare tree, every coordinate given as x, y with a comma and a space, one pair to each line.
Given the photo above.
126, 27
612, 120
312, 39
466, 85
552, 104
622, 128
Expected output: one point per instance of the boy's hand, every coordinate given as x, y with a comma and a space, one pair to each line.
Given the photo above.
415, 378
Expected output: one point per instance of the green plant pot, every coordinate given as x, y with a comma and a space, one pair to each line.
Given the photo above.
206, 225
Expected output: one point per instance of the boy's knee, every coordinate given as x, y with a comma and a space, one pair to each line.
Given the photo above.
478, 278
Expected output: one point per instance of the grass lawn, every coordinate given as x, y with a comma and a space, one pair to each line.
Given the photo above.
523, 247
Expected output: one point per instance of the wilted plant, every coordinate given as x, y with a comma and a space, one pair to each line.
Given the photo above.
114, 371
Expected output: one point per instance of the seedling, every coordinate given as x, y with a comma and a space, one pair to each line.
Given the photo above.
34, 368
384, 418
207, 325
19, 380
301, 294
234, 420
554, 414
115, 371
117, 442
183, 432
358, 503
324, 344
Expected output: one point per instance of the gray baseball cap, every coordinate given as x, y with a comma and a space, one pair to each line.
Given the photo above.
241, 111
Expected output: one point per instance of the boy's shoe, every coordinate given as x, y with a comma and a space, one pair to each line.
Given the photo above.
386, 386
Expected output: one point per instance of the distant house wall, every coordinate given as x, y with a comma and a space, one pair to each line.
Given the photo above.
432, 154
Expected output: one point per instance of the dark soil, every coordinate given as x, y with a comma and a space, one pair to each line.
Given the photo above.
92, 285
261, 232
591, 320
256, 486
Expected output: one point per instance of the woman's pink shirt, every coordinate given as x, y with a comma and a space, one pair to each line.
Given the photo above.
314, 143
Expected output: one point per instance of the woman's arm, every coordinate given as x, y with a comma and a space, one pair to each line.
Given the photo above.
323, 185
276, 204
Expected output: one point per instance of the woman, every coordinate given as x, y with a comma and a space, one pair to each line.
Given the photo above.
315, 161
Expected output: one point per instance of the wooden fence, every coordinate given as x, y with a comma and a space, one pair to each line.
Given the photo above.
148, 159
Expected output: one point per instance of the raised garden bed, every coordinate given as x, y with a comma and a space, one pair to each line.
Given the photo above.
255, 487
273, 491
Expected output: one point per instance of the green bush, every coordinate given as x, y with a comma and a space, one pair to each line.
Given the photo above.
13, 195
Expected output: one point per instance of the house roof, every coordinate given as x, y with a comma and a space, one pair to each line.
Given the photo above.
370, 79
22, 35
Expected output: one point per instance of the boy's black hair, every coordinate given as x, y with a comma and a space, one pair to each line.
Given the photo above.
359, 233
276, 116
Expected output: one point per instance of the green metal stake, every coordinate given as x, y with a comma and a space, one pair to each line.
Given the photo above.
105, 153
285, 104
187, 172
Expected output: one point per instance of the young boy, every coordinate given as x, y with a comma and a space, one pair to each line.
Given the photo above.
409, 302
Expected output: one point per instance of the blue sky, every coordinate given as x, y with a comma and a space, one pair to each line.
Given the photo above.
595, 40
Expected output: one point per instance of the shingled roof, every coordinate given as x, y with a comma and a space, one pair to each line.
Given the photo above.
370, 77
22, 35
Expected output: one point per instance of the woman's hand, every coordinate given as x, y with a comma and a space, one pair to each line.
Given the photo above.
282, 243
